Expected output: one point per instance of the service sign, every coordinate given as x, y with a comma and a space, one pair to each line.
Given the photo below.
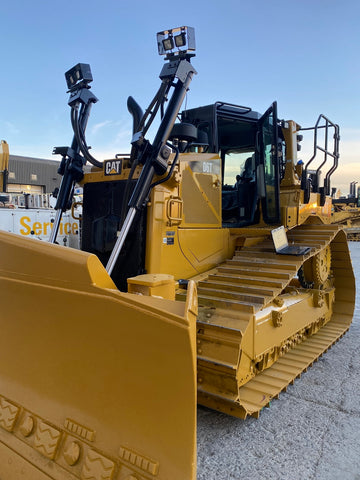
37, 223
112, 167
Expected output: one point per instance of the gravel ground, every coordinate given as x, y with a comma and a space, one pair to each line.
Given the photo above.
312, 432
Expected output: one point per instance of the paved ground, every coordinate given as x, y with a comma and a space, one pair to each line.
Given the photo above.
312, 432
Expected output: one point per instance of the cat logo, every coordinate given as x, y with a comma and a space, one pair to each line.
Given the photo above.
112, 167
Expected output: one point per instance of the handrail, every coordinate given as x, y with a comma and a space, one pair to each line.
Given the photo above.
306, 184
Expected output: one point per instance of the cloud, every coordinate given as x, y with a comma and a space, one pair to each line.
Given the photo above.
349, 161
344, 132
115, 136
124, 135
99, 126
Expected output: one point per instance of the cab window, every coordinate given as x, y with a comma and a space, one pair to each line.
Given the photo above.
239, 167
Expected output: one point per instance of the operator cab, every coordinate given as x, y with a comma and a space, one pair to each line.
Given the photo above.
248, 146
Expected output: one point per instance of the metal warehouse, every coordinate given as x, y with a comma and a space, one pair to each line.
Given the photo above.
32, 175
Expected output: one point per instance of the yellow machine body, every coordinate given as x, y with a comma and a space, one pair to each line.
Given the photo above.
4, 164
348, 215
99, 382
254, 314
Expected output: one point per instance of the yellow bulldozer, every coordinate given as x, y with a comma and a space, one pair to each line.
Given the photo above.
346, 212
209, 272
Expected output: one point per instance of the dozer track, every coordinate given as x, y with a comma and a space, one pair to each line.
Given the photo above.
256, 325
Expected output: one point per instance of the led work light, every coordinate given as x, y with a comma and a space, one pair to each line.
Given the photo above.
81, 72
181, 39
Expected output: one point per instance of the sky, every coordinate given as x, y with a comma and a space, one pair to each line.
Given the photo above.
304, 55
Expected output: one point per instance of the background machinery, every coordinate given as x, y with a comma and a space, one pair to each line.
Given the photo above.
178, 262
4, 165
346, 211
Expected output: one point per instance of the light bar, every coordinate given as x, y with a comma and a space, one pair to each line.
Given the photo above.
181, 39
80, 72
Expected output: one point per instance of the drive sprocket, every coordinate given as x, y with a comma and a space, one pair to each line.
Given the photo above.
316, 270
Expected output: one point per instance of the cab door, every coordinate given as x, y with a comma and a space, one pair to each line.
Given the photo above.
269, 187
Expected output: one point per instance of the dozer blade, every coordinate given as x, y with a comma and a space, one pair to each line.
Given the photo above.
95, 384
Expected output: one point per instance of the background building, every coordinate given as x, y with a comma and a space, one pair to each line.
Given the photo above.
32, 175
